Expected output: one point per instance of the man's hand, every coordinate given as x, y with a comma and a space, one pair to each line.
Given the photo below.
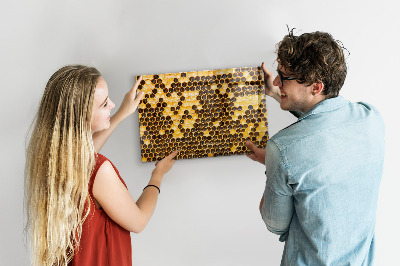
258, 154
270, 89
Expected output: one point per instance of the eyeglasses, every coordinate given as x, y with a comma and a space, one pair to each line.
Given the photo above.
282, 78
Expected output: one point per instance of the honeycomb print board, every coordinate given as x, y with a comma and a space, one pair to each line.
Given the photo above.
202, 113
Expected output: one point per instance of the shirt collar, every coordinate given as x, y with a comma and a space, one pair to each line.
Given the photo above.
325, 106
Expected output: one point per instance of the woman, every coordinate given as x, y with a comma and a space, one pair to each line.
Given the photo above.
78, 207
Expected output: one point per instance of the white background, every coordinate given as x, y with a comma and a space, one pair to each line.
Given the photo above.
208, 208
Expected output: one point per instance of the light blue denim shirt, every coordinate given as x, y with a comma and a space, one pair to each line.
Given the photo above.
323, 175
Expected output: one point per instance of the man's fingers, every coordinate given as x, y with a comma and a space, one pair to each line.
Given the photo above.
251, 156
139, 96
251, 146
265, 69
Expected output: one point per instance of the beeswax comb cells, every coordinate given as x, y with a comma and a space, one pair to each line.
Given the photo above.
202, 113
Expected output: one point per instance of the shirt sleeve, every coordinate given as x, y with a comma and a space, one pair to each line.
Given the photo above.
277, 209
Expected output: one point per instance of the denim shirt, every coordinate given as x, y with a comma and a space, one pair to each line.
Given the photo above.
323, 175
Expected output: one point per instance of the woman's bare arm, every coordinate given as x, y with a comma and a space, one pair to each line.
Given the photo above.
119, 205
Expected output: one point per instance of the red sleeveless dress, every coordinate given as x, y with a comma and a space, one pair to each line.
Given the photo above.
103, 241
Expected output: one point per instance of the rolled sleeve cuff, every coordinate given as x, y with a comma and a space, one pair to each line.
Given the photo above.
276, 212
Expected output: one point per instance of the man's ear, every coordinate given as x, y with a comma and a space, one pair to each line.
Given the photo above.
317, 88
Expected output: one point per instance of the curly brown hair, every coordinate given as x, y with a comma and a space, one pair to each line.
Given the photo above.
314, 57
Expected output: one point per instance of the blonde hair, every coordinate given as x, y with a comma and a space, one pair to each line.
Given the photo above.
59, 162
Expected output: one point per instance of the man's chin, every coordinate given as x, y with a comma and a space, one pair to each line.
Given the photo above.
285, 108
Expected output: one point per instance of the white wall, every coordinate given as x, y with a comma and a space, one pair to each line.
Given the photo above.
208, 208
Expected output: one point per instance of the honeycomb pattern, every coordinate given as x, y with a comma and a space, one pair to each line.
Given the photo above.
202, 113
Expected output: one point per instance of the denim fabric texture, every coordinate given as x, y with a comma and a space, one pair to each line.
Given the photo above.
323, 176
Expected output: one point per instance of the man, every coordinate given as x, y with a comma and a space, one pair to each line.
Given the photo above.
323, 171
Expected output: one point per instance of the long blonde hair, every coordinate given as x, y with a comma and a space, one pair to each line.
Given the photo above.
59, 161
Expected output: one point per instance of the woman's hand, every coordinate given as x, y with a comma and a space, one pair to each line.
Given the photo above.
270, 89
131, 101
128, 107
258, 154
163, 166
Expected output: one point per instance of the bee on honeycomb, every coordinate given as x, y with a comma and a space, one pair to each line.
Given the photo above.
202, 113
